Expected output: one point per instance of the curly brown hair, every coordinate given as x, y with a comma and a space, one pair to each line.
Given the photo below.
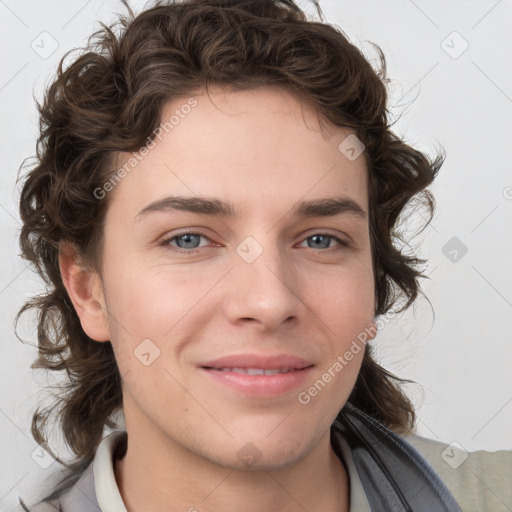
110, 100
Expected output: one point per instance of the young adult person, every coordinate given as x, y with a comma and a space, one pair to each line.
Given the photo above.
214, 207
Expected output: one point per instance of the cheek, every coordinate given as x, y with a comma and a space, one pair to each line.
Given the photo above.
345, 304
133, 305
326, 394
145, 301
348, 311
153, 312
346, 300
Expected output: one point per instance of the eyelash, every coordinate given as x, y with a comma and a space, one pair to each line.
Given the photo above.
166, 242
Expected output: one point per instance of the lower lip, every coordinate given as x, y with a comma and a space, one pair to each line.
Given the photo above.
260, 385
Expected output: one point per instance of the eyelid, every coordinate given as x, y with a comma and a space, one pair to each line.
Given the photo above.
165, 242
326, 232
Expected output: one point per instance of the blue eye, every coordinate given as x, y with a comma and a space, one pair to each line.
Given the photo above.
320, 240
187, 243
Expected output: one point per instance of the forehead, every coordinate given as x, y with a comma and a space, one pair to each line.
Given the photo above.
260, 145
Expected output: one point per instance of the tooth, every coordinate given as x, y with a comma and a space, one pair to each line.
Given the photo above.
255, 371
238, 370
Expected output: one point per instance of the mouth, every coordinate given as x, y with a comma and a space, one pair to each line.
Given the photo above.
255, 371
264, 380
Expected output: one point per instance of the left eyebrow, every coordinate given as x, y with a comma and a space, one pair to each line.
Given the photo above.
323, 207
328, 207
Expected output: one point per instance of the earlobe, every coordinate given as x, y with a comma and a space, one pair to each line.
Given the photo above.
85, 291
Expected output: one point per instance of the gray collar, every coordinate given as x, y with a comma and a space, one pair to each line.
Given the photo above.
394, 475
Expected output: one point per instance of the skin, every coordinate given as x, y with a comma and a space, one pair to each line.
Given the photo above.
262, 150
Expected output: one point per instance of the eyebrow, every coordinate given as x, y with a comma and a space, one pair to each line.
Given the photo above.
323, 207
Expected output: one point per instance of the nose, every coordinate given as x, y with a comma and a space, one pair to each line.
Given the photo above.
262, 287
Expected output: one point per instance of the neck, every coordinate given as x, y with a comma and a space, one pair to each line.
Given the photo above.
157, 474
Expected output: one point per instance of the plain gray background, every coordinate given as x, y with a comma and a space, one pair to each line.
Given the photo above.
452, 83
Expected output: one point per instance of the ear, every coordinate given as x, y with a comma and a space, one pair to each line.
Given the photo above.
85, 290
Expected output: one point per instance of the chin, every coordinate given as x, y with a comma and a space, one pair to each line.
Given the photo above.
257, 450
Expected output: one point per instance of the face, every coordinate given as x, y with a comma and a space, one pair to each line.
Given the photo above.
187, 285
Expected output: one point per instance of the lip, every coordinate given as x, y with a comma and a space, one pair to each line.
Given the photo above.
265, 362
261, 386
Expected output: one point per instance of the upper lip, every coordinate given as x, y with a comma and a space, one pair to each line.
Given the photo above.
258, 361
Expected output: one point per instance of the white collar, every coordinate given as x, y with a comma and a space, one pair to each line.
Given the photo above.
105, 485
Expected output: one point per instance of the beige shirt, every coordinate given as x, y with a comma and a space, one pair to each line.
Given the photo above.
480, 482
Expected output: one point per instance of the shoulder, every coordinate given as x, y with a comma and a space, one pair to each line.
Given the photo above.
81, 496
479, 480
